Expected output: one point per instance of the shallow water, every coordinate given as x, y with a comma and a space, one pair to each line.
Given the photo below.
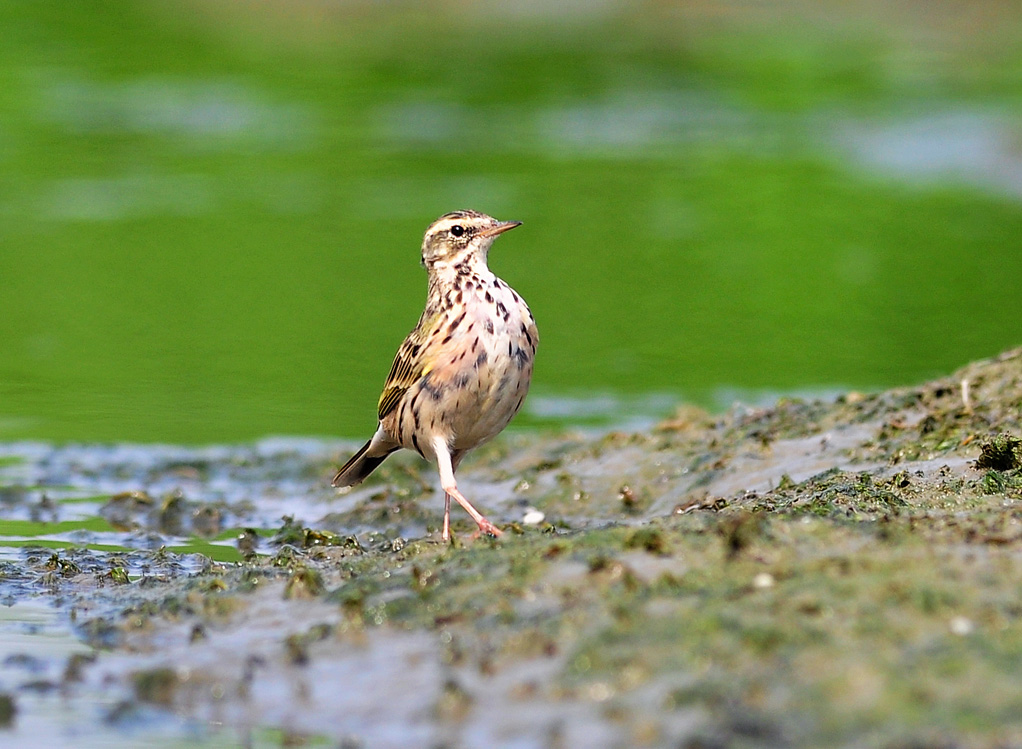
74, 513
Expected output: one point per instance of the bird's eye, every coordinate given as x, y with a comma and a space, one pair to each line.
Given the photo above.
457, 230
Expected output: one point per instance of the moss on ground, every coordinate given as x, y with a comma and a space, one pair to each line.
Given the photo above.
866, 593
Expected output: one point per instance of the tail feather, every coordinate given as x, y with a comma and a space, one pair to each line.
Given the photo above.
359, 467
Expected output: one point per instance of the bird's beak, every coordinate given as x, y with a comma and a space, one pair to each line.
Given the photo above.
500, 228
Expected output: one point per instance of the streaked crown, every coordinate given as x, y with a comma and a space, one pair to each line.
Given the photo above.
459, 234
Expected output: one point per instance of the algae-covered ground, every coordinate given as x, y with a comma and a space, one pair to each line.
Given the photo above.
842, 573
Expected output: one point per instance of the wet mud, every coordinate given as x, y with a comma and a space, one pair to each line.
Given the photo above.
840, 573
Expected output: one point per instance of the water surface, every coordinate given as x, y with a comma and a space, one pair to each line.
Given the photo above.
209, 232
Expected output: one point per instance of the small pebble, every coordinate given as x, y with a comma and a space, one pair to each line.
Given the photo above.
533, 516
763, 580
961, 626
600, 692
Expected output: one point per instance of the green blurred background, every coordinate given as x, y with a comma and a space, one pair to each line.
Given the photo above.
210, 213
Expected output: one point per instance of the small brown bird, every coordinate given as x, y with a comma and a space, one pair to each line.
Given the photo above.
463, 372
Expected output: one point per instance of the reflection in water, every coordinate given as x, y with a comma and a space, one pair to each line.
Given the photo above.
119, 198
979, 148
211, 114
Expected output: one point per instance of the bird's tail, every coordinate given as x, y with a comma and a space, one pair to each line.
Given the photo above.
361, 465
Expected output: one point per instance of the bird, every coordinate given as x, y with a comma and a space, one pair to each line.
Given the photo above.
463, 372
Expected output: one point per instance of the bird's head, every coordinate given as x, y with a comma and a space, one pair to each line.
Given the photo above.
461, 235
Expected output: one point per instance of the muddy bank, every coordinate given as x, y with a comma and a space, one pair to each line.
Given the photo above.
816, 573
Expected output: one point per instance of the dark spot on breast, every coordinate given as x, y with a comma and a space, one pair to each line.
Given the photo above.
521, 357
489, 327
457, 321
415, 444
502, 310
462, 380
446, 339
469, 286
411, 404
435, 391
481, 359
489, 298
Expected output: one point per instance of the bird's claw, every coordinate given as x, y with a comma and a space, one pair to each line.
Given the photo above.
486, 528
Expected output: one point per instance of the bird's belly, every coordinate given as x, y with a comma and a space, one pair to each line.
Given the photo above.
479, 379
493, 394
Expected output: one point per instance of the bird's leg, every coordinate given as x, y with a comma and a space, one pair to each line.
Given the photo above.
485, 526
447, 518
443, 459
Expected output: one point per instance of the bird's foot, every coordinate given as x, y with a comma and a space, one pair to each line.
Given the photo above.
486, 528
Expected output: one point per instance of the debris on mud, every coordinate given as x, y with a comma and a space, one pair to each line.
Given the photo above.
1001, 453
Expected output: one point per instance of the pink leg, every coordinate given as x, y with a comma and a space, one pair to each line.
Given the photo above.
485, 526
443, 459
447, 518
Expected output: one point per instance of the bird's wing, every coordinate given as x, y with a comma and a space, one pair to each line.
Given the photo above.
410, 364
